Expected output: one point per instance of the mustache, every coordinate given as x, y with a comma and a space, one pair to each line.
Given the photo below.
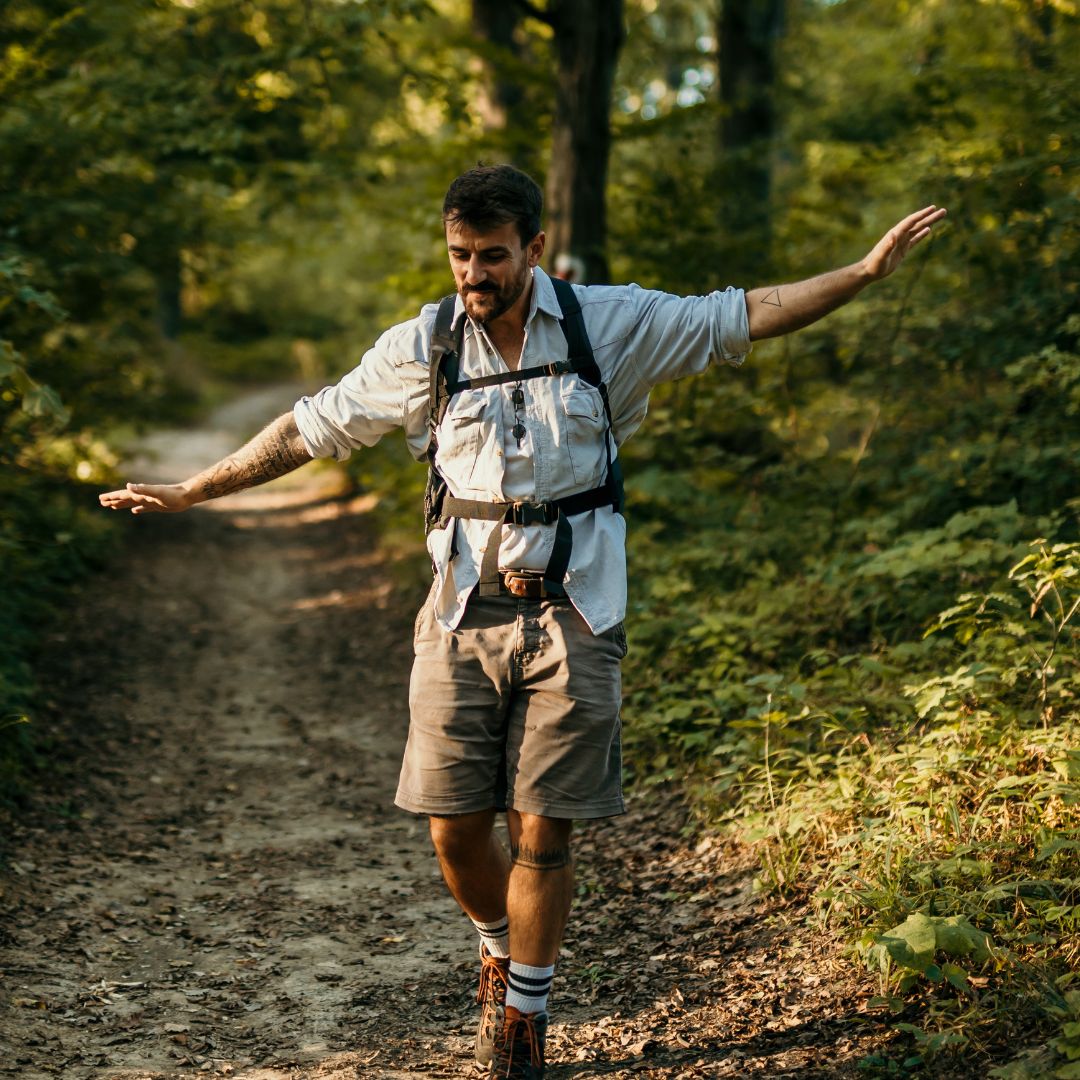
480, 289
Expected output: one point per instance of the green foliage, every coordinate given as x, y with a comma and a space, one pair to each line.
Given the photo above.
142, 145
24, 304
914, 946
798, 528
827, 644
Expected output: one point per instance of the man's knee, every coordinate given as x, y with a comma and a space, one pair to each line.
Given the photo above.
459, 836
540, 843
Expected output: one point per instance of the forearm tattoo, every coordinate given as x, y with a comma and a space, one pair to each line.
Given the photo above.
772, 299
275, 451
540, 859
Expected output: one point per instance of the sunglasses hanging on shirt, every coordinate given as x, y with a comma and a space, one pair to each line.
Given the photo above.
517, 397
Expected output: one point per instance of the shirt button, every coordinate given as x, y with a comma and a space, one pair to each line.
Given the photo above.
499, 452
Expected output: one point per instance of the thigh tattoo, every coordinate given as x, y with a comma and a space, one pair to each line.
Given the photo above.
540, 858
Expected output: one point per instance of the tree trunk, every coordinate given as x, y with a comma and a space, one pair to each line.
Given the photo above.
501, 99
747, 36
588, 36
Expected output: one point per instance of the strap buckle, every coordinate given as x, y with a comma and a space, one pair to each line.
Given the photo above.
559, 367
523, 513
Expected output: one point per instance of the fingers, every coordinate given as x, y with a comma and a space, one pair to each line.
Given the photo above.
113, 500
902, 237
917, 226
920, 218
138, 498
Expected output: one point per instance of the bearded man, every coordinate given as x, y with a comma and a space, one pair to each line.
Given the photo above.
518, 392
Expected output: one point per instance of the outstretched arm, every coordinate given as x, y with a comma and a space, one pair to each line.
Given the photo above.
275, 451
779, 309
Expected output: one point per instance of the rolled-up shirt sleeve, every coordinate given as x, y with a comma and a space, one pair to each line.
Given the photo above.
386, 390
678, 336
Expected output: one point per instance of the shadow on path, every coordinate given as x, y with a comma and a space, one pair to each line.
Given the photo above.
213, 879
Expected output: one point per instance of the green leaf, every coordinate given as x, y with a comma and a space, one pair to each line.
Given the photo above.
1056, 845
956, 977
912, 943
44, 401
957, 937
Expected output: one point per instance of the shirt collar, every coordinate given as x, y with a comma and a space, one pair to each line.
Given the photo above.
543, 299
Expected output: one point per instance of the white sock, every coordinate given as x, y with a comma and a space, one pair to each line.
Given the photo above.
529, 987
494, 936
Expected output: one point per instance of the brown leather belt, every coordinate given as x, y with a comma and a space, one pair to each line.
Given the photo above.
526, 585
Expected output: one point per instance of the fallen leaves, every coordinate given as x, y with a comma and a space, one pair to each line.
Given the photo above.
237, 892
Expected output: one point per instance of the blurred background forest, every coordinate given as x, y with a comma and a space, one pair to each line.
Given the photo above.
855, 563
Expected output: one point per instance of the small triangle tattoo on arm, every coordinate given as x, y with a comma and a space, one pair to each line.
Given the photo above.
773, 299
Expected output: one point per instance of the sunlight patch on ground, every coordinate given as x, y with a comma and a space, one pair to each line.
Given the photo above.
309, 506
378, 597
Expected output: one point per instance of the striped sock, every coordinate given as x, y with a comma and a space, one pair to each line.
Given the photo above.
529, 987
494, 936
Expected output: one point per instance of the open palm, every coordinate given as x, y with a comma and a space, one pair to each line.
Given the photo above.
890, 250
148, 498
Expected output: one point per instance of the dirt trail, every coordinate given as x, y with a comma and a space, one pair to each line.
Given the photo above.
214, 880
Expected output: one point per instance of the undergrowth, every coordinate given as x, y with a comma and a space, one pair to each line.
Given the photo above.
872, 682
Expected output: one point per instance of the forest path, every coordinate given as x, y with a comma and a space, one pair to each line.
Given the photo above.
214, 880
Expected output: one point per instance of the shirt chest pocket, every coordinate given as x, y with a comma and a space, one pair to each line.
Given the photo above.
586, 429
466, 427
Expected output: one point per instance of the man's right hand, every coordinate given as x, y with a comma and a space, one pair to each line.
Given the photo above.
149, 498
275, 451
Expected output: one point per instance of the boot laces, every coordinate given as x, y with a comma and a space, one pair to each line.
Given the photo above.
512, 1041
492, 979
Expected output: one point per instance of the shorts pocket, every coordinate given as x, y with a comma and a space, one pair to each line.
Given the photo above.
421, 615
617, 634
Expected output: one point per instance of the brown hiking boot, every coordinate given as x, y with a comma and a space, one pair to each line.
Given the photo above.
494, 974
519, 1045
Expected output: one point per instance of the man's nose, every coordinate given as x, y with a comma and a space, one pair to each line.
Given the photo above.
475, 272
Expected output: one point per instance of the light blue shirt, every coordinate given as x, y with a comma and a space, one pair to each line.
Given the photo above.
640, 338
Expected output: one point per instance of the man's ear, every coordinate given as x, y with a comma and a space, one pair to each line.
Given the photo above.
535, 248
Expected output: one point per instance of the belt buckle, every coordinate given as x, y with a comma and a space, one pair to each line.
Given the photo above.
518, 586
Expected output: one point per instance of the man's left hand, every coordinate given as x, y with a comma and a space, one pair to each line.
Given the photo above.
890, 250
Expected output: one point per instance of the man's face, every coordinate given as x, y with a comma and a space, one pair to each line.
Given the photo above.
492, 268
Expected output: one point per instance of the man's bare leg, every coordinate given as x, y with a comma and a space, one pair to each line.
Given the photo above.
474, 863
541, 886
534, 888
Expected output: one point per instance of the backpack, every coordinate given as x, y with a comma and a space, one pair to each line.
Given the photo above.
440, 505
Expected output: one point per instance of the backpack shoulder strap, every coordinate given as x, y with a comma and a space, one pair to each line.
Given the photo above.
578, 348
581, 359
443, 365
445, 350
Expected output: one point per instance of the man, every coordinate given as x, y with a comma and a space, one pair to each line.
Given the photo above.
519, 391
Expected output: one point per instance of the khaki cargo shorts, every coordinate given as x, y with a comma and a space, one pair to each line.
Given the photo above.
518, 707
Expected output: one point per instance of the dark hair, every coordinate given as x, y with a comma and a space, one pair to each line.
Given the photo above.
491, 195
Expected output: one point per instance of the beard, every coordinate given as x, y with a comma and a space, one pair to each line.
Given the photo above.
485, 303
